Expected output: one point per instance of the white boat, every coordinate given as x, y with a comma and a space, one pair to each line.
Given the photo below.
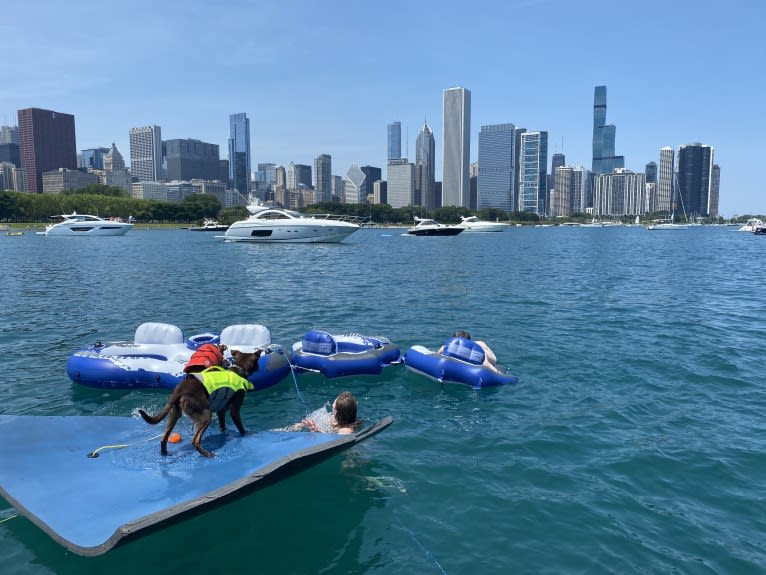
666, 225
210, 226
751, 225
75, 224
474, 224
278, 225
429, 227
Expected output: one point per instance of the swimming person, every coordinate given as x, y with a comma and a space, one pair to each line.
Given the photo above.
342, 419
490, 360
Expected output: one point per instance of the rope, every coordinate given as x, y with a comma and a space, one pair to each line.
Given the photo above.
417, 542
93, 454
9, 517
295, 381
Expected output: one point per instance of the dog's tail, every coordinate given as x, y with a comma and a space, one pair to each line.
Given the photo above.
155, 419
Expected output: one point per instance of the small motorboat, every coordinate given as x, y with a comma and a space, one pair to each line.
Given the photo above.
474, 224
429, 227
278, 225
460, 362
342, 355
209, 226
158, 354
75, 224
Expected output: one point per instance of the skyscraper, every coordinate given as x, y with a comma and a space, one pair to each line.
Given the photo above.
354, 185
425, 168
457, 147
557, 160
46, 142
695, 174
146, 153
371, 175
715, 185
394, 140
190, 159
239, 152
323, 178
9, 135
665, 195
400, 187
533, 172
604, 160
93, 158
497, 167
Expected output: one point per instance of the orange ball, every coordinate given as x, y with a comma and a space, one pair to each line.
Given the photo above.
174, 437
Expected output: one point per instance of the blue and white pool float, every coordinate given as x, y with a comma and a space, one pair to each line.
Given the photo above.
460, 362
157, 356
342, 355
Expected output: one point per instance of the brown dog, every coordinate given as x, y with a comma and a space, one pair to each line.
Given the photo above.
200, 394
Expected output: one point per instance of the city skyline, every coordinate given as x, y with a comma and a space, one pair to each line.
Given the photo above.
295, 118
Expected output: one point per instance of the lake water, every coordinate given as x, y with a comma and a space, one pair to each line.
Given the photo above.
634, 443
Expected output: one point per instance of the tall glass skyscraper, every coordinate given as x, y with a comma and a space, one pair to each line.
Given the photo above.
394, 140
695, 174
456, 185
425, 168
323, 178
604, 160
533, 172
146, 153
239, 152
497, 167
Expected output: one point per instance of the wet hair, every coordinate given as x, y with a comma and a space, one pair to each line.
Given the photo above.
464, 334
345, 408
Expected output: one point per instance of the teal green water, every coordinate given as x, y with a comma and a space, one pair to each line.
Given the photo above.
634, 442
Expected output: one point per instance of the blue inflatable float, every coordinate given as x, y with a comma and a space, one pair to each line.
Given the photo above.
460, 362
157, 356
91, 481
342, 355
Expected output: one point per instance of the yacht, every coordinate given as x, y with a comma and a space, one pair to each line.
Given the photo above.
474, 224
75, 224
279, 225
751, 225
429, 227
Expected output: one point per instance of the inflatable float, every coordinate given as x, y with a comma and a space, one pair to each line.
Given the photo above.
157, 356
461, 362
91, 482
342, 355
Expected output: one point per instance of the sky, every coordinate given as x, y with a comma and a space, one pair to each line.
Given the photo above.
327, 77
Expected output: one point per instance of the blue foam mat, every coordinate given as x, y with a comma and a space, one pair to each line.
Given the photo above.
89, 504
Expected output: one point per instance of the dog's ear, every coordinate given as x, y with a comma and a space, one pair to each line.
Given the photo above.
222, 347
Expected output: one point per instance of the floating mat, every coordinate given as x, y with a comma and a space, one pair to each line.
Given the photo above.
89, 504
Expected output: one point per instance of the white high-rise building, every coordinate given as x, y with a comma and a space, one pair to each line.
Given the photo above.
146, 153
533, 170
400, 188
456, 183
354, 186
665, 180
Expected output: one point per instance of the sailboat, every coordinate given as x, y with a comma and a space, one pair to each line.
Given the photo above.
670, 224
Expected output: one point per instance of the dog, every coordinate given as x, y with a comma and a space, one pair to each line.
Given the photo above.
198, 395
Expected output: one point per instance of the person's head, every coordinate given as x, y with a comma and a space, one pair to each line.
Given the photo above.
344, 408
464, 334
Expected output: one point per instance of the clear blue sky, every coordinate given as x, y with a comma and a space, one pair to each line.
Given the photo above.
328, 76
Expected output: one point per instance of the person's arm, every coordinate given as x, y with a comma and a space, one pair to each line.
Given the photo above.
488, 353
